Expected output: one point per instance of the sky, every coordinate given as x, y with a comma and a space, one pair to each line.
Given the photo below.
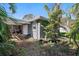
36, 9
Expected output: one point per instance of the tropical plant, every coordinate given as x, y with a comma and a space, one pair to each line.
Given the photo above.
4, 29
7, 47
74, 34
54, 14
75, 28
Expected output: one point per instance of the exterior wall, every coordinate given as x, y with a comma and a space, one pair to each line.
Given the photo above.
30, 29
33, 29
41, 32
25, 29
36, 30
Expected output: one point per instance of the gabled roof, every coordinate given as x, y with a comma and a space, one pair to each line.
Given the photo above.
31, 18
28, 16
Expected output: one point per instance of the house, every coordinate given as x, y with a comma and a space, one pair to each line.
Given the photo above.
31, 25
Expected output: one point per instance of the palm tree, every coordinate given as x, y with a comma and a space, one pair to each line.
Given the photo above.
4, 31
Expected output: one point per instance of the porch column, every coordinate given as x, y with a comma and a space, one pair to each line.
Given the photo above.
38, 31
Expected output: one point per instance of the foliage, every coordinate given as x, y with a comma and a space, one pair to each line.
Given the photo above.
74, 10
74, 33
3, 15
7, 47
3, 33
54, 14
44, 22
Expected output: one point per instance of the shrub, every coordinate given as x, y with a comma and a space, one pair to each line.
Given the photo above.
9, 49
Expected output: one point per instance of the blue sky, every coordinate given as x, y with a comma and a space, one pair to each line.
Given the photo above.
35, 9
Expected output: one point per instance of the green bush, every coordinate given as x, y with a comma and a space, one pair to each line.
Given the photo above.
64, 34
9, 49
6, 49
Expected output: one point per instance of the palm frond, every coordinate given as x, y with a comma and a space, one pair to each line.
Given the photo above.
12, 7
3, 12
46, 8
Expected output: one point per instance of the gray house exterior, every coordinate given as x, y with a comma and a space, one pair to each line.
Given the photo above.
31, 25
34, 27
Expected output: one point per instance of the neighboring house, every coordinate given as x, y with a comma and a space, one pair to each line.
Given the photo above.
31, 25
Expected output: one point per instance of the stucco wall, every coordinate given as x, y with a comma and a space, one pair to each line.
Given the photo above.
36, 30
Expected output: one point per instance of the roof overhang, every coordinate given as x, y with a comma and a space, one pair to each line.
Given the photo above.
12, 21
